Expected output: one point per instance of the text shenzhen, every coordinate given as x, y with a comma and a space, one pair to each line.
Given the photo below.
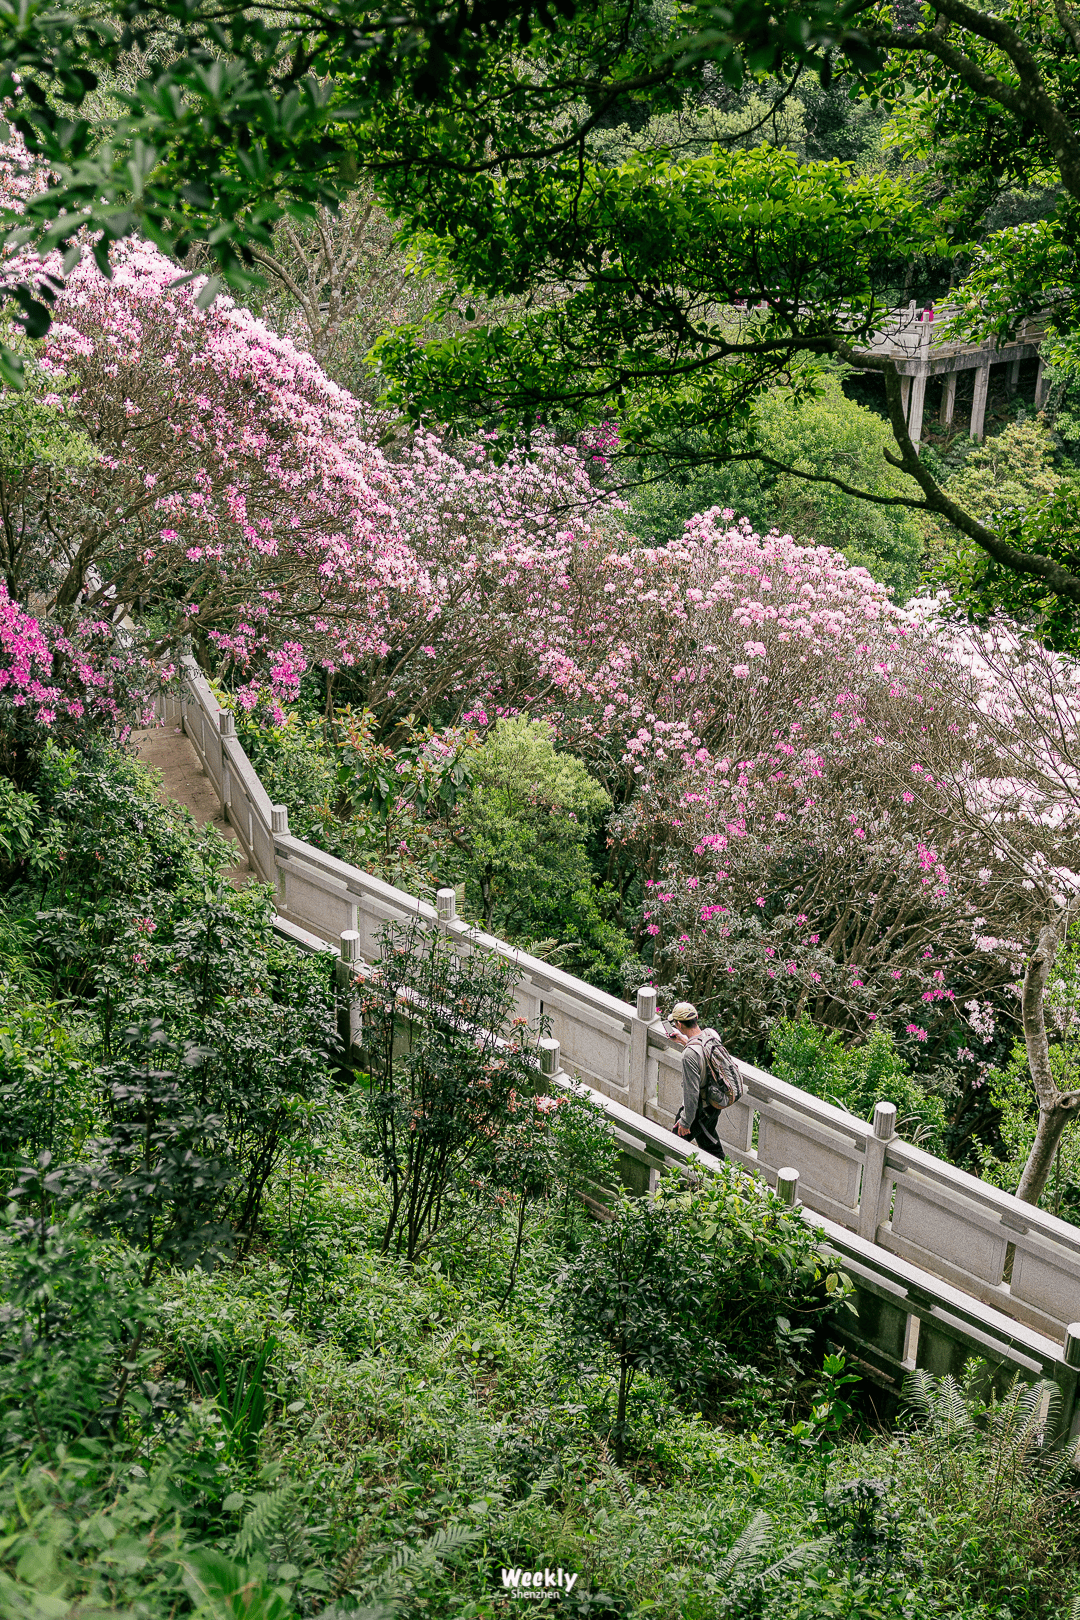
539, 1582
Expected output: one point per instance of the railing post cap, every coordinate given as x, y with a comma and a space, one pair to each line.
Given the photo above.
350, 945
646, 1003
1072, 1344
446, 904
550, 1063
884, 1120
226, 723
279, 818
787, 1185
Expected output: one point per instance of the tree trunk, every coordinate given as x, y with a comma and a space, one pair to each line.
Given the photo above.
1036, 1173
1056, 1108
626, 1374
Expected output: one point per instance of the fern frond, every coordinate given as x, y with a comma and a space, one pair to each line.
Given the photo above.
941, 1404
750, 1546
386, 1609
804, 1553
1020, 1421
543, 1482
1061, 1462
431, 1551
616, 1475
441, 1346
262, 1521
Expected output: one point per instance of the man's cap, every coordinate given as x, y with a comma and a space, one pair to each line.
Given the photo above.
684, 1012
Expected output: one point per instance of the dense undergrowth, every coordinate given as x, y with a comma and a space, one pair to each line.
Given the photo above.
226, 1390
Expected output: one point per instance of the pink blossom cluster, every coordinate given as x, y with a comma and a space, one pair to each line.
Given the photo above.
52, 681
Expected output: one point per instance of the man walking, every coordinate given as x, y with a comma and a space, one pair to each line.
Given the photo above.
696, 1118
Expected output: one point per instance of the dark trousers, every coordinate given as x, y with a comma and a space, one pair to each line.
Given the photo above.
703, 1132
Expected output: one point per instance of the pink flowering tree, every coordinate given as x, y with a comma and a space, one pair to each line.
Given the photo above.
782, 733
505, 561
208, 479
226, 489
233, 493
1024, 804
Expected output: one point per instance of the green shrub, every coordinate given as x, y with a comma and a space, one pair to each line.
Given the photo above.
522, 833
452, 1070
380, 806
48, 1098
857, 1077
693, 1287
91, 1533
100, 831
73, 1321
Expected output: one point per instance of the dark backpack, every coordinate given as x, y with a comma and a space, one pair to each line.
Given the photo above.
721, 1081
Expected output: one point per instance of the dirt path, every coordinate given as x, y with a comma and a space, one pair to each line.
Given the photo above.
183, 781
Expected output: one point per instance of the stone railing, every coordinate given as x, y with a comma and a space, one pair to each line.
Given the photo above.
907, 335
946, 1265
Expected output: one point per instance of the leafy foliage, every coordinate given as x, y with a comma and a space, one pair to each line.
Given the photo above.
523, 831
857, 1077
823, 432
448, 1062
162, 1174
1010, 1089
691, 1288
73, 1322
1013, 482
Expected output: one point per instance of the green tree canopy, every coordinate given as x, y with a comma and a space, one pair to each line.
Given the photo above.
522, 834
828, 432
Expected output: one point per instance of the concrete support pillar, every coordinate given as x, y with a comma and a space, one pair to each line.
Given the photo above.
948, 399
905, 394
916, 407
1042, 385
977, 429
1014, 376
349, 964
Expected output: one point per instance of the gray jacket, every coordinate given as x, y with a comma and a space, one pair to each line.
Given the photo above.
693, 1075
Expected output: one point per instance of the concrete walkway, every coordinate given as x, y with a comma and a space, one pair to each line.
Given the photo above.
184, 782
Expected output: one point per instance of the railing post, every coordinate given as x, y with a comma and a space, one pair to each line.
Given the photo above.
1068, 1422
1072, 1345
787, 1187
644, 1015
550, 1061
279, 818
446, 905
873, 1177
349, 959
226, 723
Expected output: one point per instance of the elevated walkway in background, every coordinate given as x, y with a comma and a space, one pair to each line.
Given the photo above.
945, 1266
915, 343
